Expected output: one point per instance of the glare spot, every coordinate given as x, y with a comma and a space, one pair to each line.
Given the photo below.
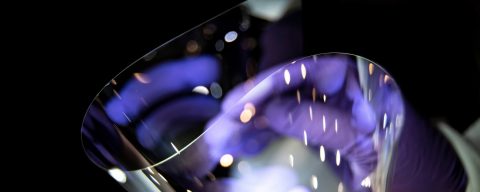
305, 137
116, 94
286, 75
340, 187
324, 124
314, 95
249, 106
322, 153
231, 36
384, 120
291, 160
386, 79
226, 160
192, 46
244, 167
298, 96
175, 148
304, 71
114, 82
162, 177
376, 139
153, 179
247, 113
398, 121
314, 181
216, 90
366, 182
370, 68
126, 117
142, 78
118, 175
324, 98
311, 112
188, 190
150, 170
200, 89
336, 125
338, 158
245, 116
219, 45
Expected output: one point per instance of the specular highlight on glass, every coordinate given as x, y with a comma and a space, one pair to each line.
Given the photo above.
198, 114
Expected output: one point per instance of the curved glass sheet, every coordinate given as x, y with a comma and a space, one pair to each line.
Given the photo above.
216, 109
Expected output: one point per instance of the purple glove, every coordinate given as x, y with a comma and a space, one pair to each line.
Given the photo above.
158, 111
273, 97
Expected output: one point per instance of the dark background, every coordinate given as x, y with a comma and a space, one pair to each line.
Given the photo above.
429, 47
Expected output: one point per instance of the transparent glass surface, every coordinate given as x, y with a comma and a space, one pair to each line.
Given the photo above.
200, 113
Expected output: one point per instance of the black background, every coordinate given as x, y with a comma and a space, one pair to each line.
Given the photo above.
94, 42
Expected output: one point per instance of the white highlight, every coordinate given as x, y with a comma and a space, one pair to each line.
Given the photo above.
305, 137
141, 78
311, 112
226, 160
231, 36
150, 170
338, 158
153, 179
126, 117
304, 71
118, 175
366, 182
175, 148
201, 89
314, 182
324, 124
291, 160
384, 120
322, 153
286, 75
340, 187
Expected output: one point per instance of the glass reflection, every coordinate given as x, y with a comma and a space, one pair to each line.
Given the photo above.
195, 115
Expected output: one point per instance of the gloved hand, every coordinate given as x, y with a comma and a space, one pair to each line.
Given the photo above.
165, 115
268, 94
344, 123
